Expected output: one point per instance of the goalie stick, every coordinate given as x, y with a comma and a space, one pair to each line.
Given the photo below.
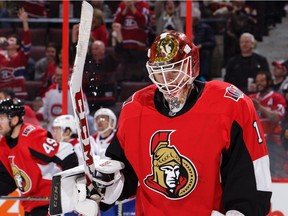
77, 92
24, 198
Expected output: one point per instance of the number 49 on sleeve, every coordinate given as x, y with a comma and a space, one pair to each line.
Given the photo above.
50, 145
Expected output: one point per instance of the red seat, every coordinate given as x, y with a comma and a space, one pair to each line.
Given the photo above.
55, 35
37, 52
38, 36
5, 32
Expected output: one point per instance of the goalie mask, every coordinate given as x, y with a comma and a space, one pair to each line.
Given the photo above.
65, 122
100, 115
173, 65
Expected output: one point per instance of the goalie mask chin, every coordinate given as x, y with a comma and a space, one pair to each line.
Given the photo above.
172, 66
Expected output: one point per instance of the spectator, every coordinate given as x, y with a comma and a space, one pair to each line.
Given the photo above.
134, 17
12, 66
98, 28
29, 158
284, 127
241, 19
105, 123
46, 65
204, 39
99, 82
169, 18
37, 103
270, 106
103, 6
116, 35
29, 116
52, 101
4, 13
246, 64
3, 46
280, 78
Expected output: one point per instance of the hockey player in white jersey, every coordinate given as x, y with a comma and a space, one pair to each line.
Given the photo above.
64, 130
105, 122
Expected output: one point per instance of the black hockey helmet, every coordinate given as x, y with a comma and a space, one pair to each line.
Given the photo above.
12, 107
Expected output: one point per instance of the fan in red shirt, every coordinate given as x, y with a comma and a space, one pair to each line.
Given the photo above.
12, 65
270, 106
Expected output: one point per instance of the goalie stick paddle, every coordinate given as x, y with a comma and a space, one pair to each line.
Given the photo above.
77, 92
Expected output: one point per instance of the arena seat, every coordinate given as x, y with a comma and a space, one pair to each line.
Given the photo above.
38, 36
37, 52
5, 32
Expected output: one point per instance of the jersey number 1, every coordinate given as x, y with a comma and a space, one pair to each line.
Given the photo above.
255, 125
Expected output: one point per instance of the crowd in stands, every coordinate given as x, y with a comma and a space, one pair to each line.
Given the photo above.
116, 60
121, 33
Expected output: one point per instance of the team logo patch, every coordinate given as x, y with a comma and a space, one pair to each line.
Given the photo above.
6, 74
234, 93
56, 109
173, 175
21, 179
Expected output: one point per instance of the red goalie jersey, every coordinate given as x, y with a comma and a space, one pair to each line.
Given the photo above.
211, 155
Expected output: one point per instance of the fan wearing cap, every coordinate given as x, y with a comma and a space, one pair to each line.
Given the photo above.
280, 75
29, 157
190, 147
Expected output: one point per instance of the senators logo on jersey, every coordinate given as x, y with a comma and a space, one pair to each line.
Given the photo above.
173, 175
21, 179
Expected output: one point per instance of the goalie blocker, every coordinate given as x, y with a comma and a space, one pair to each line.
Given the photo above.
69, 190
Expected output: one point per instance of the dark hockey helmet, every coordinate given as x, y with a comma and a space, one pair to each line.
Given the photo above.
12, 107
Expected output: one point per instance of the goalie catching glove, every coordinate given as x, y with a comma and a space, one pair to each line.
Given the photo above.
69, 191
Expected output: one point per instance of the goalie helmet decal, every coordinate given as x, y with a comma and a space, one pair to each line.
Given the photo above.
173, 175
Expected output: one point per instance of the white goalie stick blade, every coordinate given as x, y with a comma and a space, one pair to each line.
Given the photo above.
77, 92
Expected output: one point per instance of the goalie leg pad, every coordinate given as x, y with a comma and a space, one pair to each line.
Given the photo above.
64, 193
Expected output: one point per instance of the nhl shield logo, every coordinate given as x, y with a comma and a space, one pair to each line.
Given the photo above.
233, 93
